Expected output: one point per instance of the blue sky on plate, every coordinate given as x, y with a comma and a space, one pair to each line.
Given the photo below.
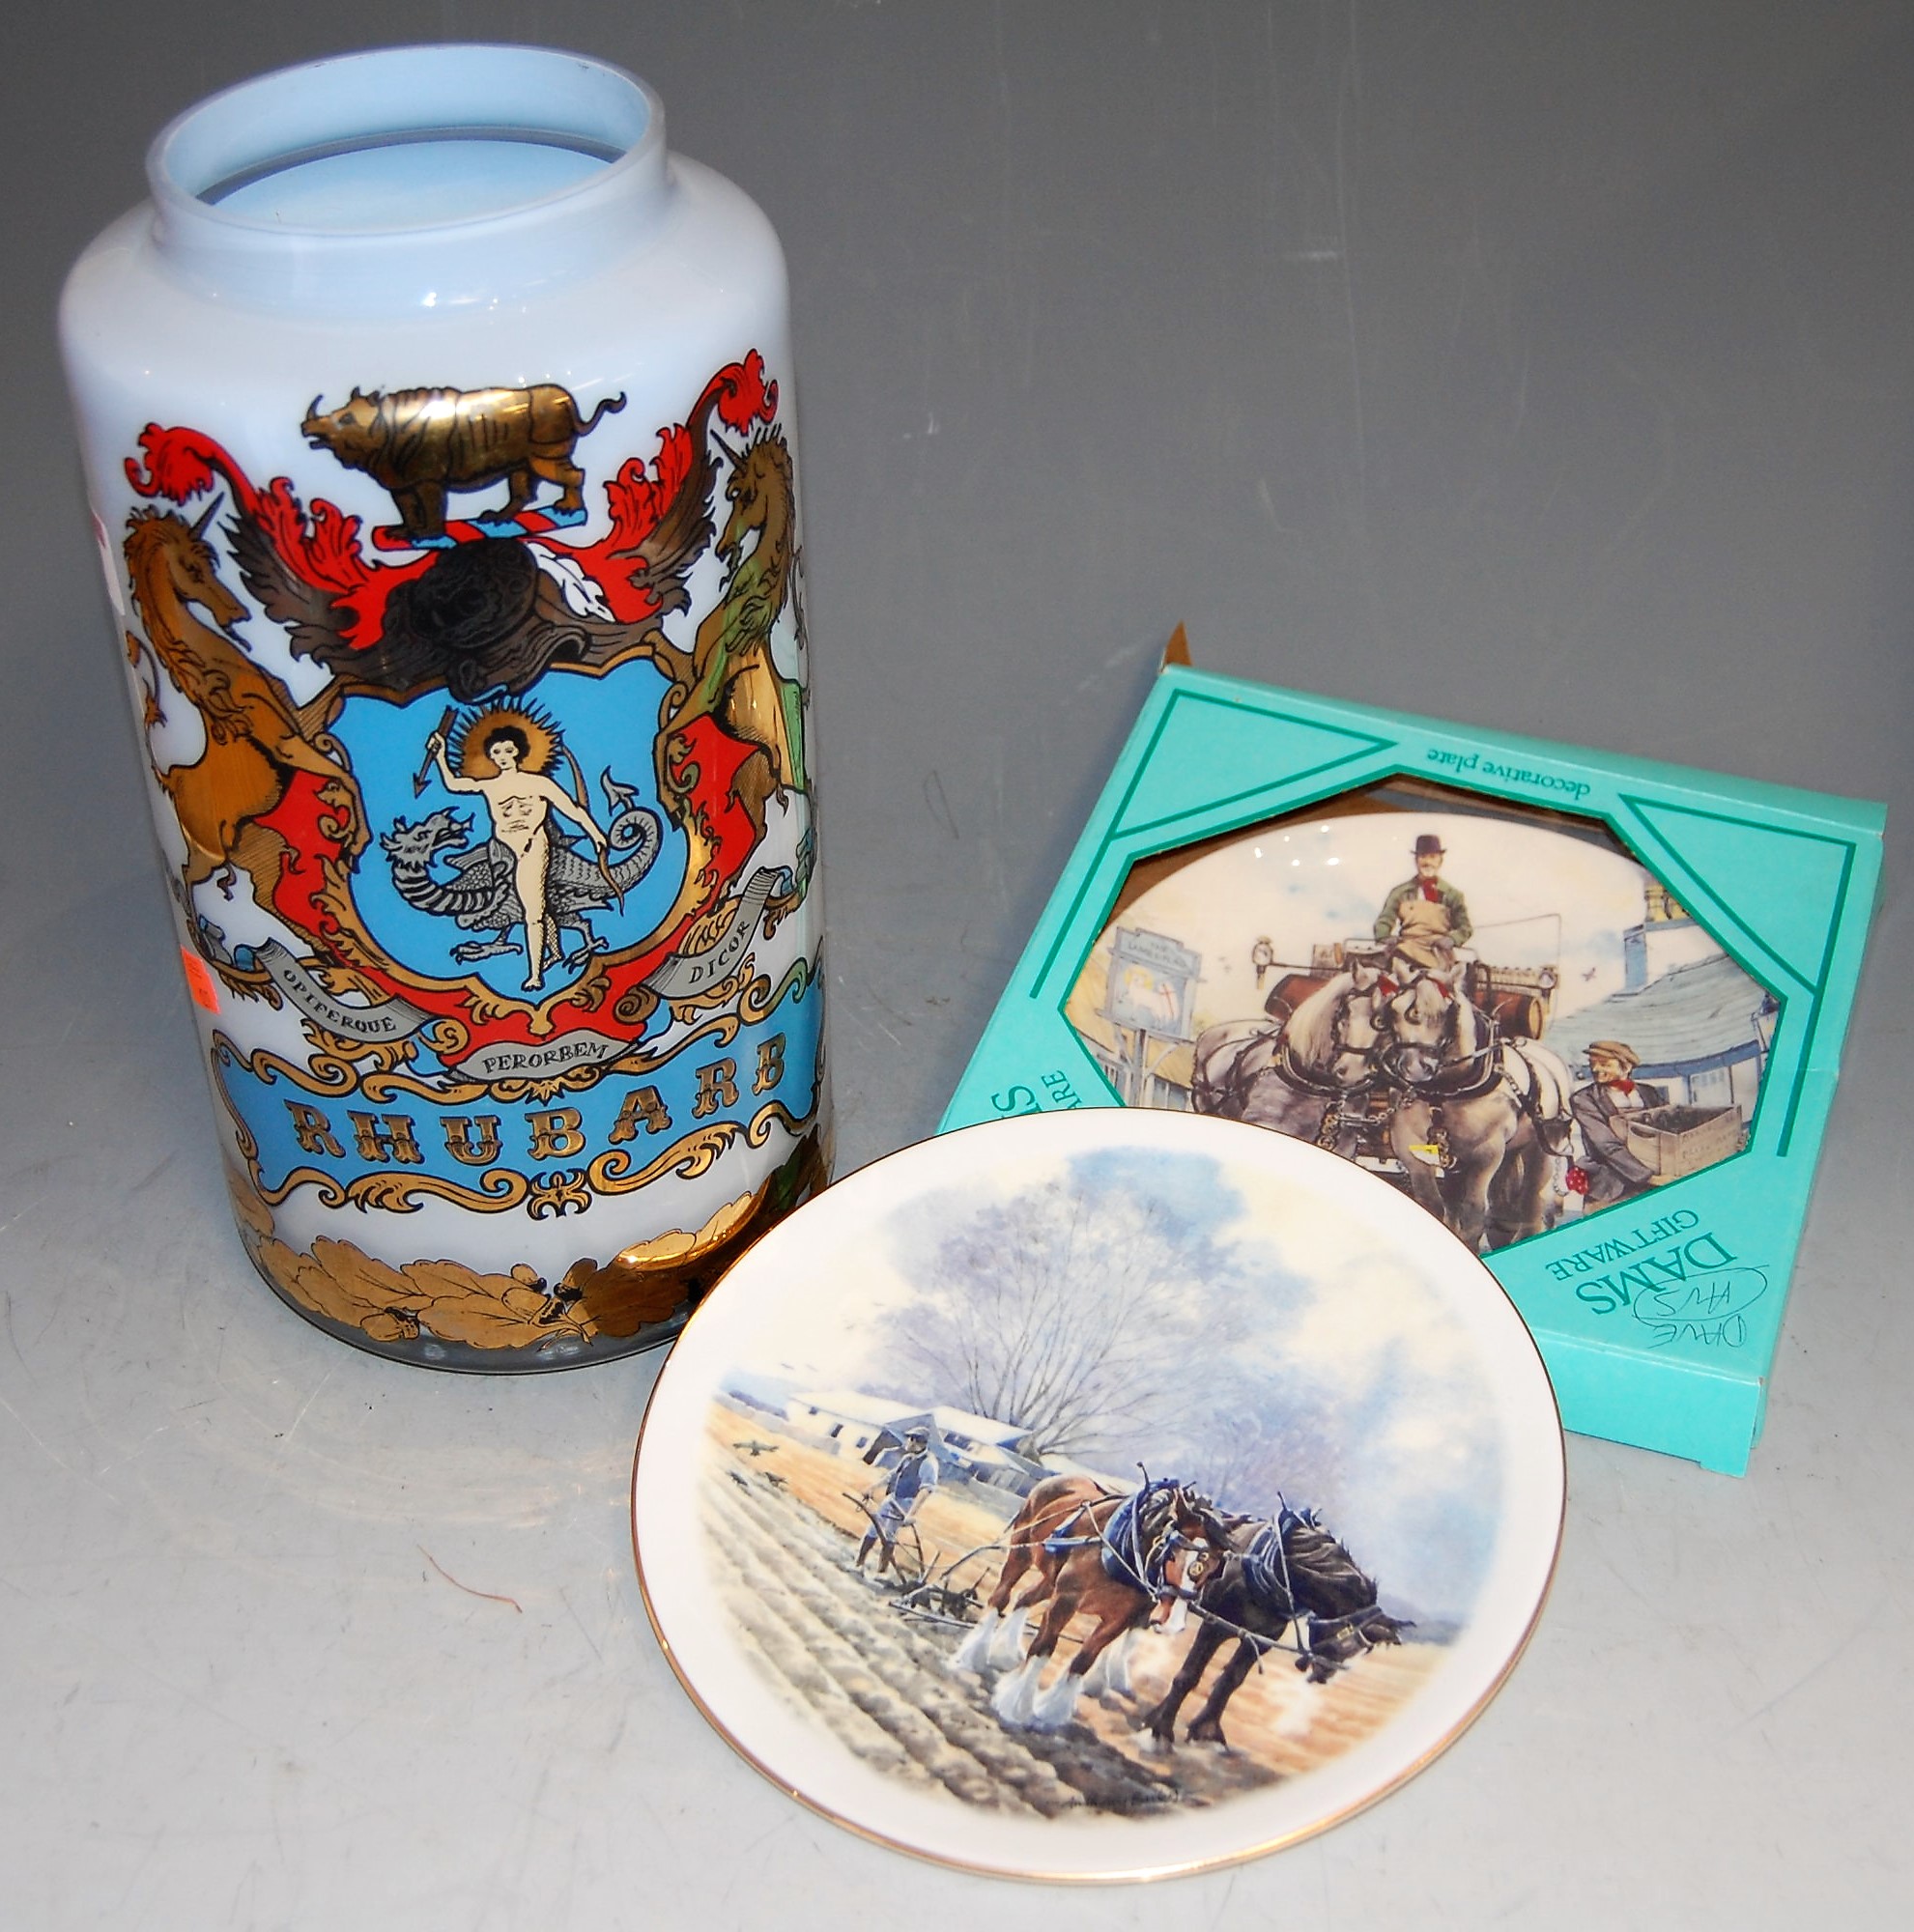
1230, 1326
1536, 896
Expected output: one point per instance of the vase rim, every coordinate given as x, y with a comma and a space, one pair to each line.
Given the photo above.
394, 95
479, 237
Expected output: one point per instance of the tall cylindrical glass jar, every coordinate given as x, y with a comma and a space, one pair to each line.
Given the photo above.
438, 426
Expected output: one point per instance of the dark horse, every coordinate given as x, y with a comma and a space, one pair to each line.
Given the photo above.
1290, 1571
1084, 1550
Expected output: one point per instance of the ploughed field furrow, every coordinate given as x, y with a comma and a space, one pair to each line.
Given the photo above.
837, 1631
809, 1678
918, 1712
1107, 1780
790, 1659
880, 1682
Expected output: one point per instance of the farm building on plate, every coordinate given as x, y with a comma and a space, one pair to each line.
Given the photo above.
872, 1428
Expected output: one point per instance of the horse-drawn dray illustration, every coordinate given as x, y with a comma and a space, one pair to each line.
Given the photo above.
1434, 1077
1561, 1036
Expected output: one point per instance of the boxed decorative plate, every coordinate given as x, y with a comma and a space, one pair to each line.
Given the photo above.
1587, 1011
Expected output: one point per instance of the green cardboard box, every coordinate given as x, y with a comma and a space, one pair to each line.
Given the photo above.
1586, 1009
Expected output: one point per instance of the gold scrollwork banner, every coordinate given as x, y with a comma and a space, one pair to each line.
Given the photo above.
499, 1189
613, 1173
338, 1066
775, 1114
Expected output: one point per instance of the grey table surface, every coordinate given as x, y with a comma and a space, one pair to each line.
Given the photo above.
1543, 366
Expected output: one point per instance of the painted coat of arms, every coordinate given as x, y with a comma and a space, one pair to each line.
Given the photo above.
502, 810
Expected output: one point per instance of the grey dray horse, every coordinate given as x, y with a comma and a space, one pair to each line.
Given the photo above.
1477, 1119
1294, 1077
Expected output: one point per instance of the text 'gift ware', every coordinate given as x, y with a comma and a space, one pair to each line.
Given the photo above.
438, 429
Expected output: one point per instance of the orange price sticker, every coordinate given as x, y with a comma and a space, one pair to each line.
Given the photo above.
200, 983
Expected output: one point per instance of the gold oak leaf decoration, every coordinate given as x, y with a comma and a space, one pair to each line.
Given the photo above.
442, 1299
250, 1207
651, 1281
641, 1285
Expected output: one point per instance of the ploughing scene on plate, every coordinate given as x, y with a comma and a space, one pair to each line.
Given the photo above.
1500, 1011
1055, 1506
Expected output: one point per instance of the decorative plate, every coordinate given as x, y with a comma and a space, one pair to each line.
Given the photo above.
1099, 1495
1411, 944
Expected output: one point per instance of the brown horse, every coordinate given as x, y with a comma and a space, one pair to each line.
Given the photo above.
731, 674
1478, 1121
257, 738
1085, 1550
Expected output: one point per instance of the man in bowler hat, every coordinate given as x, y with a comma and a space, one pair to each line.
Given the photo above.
1425, 918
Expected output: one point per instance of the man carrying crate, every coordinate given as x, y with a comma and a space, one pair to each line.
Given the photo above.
1601, 1111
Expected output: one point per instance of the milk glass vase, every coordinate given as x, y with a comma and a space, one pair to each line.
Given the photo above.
437, 428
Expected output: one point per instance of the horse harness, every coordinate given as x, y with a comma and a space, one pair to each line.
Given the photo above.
1467, 1078
1126, 1556
1261, 1572
1309, 1080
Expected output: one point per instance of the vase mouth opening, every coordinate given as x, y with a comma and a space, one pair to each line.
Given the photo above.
405, 139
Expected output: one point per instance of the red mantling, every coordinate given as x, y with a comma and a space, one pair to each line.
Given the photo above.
298, 818
322, 545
